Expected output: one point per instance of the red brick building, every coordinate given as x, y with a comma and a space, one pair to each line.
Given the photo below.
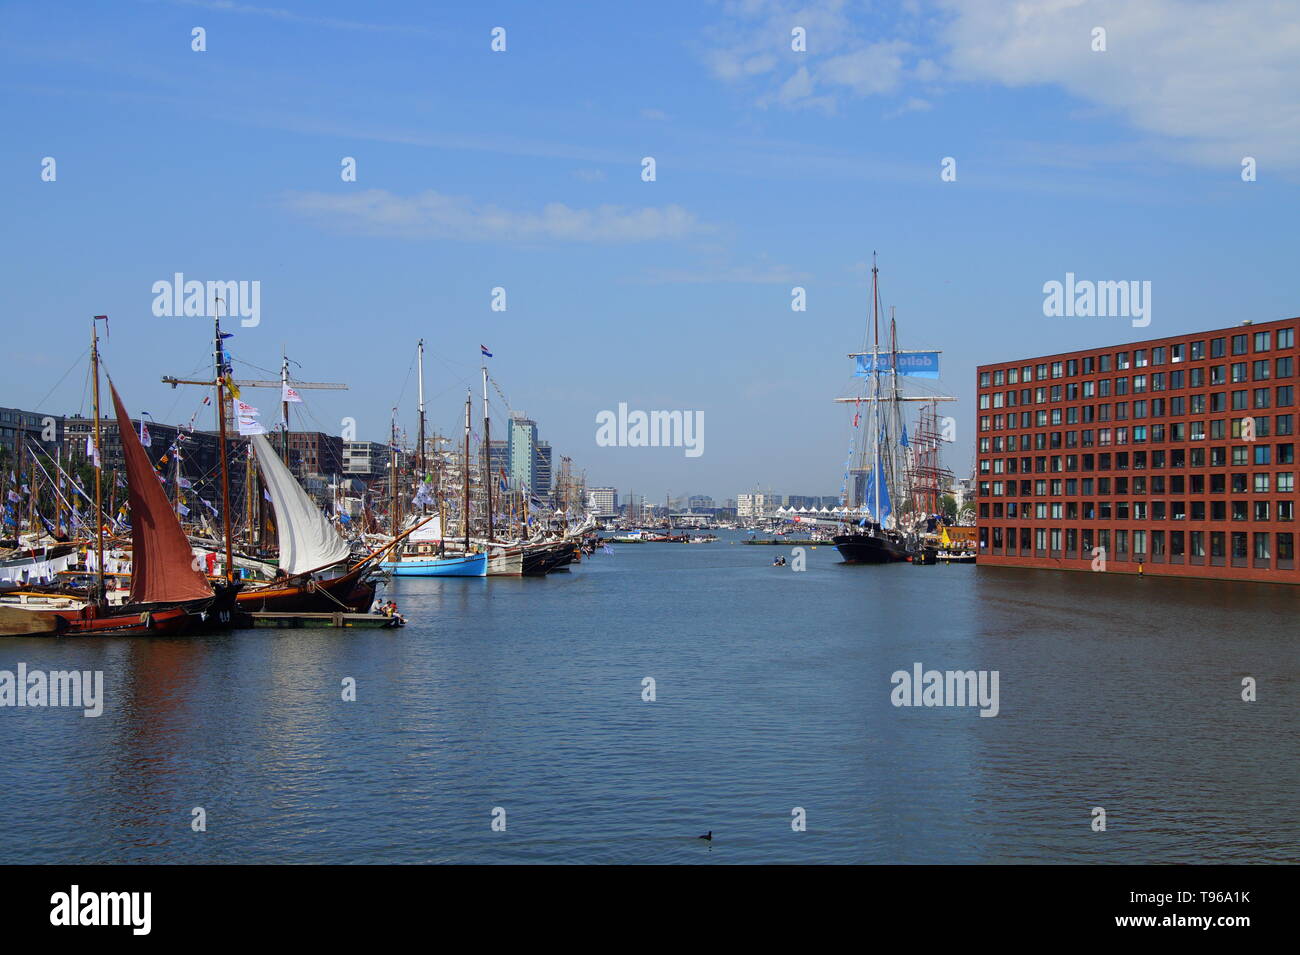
1176, 455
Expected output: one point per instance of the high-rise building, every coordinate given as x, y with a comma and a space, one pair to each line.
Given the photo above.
499, 460
758, 504
521, 452
603, 501
1170, 456
542, 479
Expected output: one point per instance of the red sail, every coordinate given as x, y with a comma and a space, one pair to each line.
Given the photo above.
162, 568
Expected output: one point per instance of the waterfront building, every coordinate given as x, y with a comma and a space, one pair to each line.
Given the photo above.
521, 452
499, 459
313, 453
366, 460
757, 504
20, 428
603, 501
542, 472
1170, 456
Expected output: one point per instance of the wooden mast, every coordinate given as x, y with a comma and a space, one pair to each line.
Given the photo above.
419, 450
220, 381
487, 453
468, 406
392, 474
100, 596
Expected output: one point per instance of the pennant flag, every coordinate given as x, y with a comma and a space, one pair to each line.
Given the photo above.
225, 335
245, 410
14, 498
184, 511
92, 453
208, 505
266, 494
185, 483
232, 387
249, 425
486, 353
145, 437
25, 489
288, 394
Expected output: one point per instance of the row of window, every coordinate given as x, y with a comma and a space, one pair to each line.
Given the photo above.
1243, 400
1241, 455
1241, 344
1262, 482
1238, 373
1179, 432
1123, 544
1141, 510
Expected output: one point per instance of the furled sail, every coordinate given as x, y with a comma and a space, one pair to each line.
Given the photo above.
877, 497
308, 541
162, 562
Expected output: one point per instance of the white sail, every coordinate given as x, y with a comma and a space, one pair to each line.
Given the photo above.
307, 539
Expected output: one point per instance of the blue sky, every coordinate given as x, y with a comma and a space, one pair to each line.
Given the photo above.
522, 169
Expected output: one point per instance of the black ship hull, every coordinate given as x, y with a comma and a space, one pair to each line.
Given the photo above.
870, 549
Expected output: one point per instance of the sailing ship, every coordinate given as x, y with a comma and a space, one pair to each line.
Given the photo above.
882, 533
168, 594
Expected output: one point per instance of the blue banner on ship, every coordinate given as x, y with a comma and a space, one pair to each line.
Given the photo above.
921, 364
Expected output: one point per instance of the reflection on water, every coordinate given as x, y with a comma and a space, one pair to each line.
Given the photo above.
772, 693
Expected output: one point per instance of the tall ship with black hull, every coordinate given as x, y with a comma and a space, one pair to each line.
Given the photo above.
877, 482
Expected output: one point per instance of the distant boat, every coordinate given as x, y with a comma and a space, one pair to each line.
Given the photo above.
474, 565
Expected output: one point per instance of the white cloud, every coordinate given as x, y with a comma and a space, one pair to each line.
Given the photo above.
843, 56
432, 215
1210, 81
1216, 78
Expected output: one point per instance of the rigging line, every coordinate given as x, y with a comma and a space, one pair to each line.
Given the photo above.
406, 381
77, 362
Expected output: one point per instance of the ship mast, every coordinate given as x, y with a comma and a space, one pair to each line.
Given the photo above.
99, 490
468, 405
220, 382
419, 452
487, 453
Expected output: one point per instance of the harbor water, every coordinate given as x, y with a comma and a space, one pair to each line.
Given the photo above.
524, 701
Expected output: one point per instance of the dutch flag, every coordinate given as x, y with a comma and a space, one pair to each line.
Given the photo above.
483, 349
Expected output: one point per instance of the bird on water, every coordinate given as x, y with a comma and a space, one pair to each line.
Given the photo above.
707, 837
